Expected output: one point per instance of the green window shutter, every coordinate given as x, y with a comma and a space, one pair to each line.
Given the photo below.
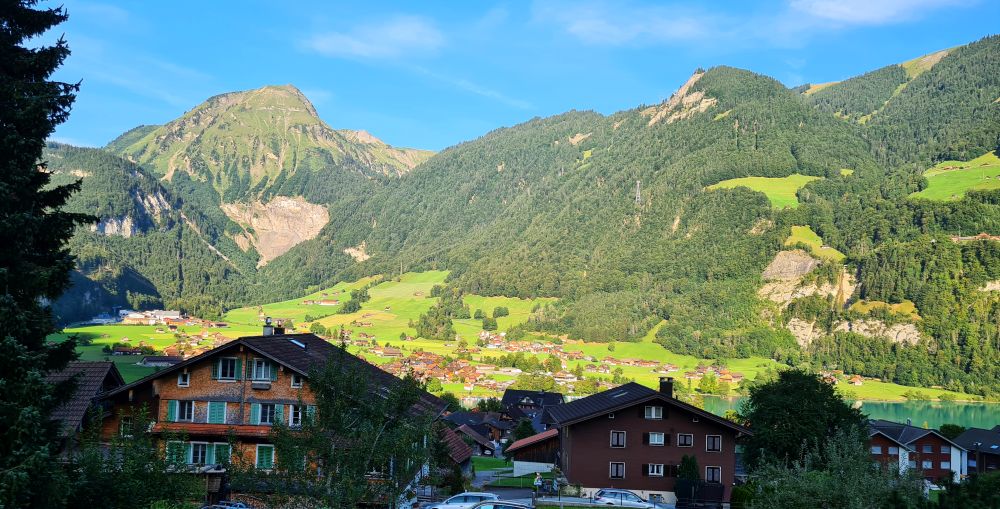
265, 456
279, 410
222, 454
274, 371
239, 368
175, 451
311, 412
217, 412
171, 410
187, 452
216, 368
209, 455
254, 413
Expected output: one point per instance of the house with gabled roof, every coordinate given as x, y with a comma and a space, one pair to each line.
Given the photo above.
92, 380
239, 390
633, 437
926, 451
983, 448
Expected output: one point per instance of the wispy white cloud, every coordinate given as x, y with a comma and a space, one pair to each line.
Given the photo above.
617, 24
870, 12
468, 86
396, 37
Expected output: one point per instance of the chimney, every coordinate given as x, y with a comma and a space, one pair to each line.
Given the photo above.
279, 329
667, 386
268, 328
909, 422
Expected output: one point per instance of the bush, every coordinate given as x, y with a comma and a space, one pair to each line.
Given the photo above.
500, 311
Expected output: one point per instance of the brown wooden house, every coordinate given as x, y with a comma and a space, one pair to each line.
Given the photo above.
92, 380
634, 437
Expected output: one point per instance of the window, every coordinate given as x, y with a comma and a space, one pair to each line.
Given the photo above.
945, 449
227, 368
713, 474
945, 465
894, 451
266, 413
928, 449
265, 457
223, 453
617, 439
876, 449
183, 379
199, 454
912, 463
611, 415
262, 370
713, 443
617, 470
125, 426
926, 464
295, 415
176, 452
656, 470
685, 440
185, 410
654, 412
296, 381
656, 438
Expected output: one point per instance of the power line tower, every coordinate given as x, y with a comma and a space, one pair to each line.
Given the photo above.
638, 193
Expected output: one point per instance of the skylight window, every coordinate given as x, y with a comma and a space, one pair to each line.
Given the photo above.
298, 343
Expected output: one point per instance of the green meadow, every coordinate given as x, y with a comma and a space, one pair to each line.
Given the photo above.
906, 308
806, 235
779, 190
950, 180
294, 309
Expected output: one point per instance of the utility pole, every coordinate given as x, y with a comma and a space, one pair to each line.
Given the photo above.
638, 194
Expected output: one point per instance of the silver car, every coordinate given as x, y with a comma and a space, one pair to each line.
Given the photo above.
621, 498
500, 504
465, 500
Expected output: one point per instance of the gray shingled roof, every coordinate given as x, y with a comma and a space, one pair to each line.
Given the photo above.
621, 397
94, 378
902, 433
513, 397
989, 440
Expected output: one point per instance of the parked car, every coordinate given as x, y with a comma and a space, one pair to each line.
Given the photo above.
621, 498
465, 500
233, 505
500, 505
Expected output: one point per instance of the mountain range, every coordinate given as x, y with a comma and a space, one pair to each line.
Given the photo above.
752, 218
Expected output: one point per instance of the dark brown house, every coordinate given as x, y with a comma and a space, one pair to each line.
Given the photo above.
540, 448
633, 437
92, 380
983, 446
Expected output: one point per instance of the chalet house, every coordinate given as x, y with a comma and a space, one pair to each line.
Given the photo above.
481, 446
537, 453
126, 350
487, 424
92, 380
634, 437
924, 450
519, 404
459, 451
237, 390
983, 446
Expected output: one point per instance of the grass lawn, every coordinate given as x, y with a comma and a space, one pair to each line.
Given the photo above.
485, 463
294, 309
884, 391
950, 180
846, 172
519, 309
906, 307
806, 235
523, 481
780, 191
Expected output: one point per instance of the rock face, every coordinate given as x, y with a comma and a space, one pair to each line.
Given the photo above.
277, 226
790, 266
682, 104
990, 286
358, 252
804, 332
899, 333
786, 272
122, 226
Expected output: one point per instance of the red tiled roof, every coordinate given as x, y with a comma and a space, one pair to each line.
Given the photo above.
201, 429
458, 450
533, 439
476, 436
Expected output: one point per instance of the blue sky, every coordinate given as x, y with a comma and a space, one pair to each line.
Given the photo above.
433, 74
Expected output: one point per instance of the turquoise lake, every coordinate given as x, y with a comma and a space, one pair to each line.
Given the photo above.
921, 413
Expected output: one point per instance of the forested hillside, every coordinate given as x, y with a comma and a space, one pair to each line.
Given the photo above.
616, 215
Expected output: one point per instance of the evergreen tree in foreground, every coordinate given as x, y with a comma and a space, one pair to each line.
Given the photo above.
34, 262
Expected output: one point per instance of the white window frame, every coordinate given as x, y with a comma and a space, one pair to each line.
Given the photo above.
293, 411
611, 472
262, 364
180, 411
719, 469
296, 381
190, 460
122, 431
680, 443
911, 463
655, 469
926, 465
946, 465
945, 449
184, 379
222, 363
663, 438
256, 458
927, 449
876, 449
612, 440
707, 438
654, 412
893, 451
274, 413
